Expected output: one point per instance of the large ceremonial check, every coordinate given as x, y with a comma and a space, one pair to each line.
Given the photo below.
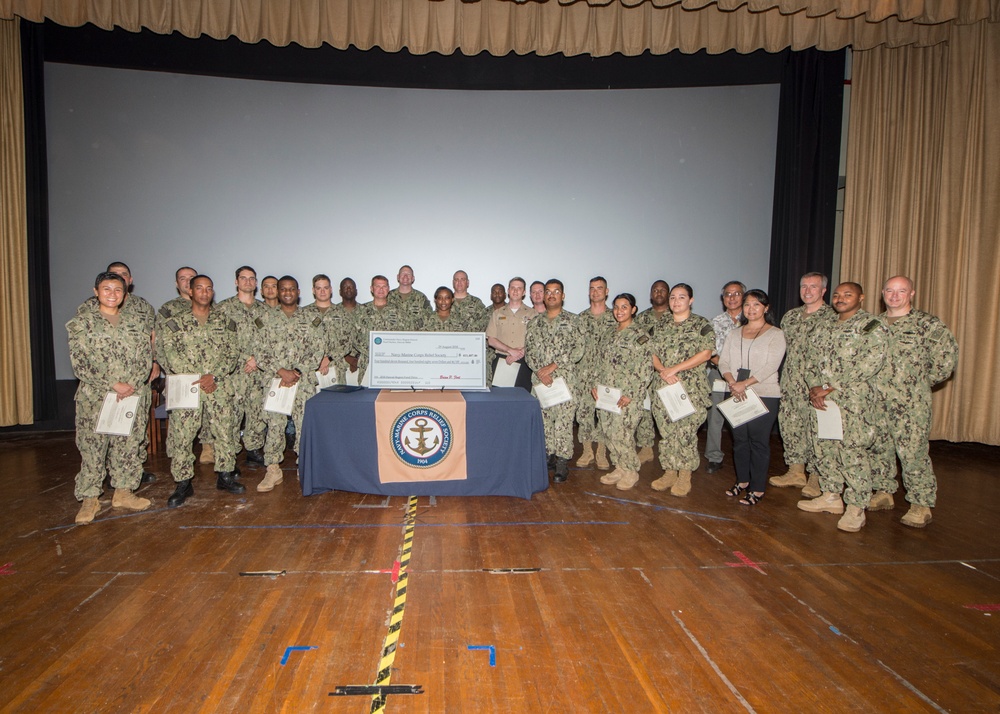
427, 360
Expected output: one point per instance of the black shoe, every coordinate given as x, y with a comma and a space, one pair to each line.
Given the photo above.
183, 491
714, 466
255, 456
552, 461
226, 481
147, 477
562, 470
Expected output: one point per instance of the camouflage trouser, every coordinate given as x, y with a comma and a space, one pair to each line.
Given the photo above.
558, 424
274, 445
645, 435
249, 407
586, 417
145, 393
215, 409
797, 425
849, 461
102, 453
908, 425
678, 439
618, 432
205, 432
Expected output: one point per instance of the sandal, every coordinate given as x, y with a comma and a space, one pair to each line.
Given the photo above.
737, 488
751, 499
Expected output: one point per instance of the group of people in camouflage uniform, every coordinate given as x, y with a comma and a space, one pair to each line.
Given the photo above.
237, 346
879, 372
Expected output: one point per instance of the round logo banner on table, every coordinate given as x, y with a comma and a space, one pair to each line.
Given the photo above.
421, 437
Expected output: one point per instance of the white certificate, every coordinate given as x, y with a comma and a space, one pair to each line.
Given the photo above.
117, 417
647, 404
326, 380
720, 385
607, 399
830, 423
505, 375
676, 401
739, 413
280, 399
558, 393
351, 378
182, 392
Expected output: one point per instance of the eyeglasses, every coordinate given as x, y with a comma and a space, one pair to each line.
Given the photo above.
733, 294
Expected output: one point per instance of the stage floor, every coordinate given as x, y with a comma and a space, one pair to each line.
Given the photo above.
583, 599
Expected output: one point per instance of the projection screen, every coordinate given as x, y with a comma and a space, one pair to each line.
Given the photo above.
162, 170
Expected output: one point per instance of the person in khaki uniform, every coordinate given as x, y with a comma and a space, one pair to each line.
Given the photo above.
507, 329
110, 352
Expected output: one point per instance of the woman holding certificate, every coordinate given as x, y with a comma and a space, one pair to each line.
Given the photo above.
749, 363
111, 355
680, 347
623, 376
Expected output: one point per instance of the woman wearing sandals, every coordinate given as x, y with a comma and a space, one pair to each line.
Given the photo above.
750, 359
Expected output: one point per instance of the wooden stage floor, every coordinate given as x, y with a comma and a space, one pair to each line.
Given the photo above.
584, 599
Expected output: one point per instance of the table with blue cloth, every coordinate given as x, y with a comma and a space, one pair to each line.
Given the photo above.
505, 447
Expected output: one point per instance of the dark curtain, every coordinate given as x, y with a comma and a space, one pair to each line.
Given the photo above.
805, 178
36, 179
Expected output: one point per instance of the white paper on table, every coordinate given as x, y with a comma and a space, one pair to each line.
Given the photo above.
505, 375
182, 392
325, 380
350, 378
647, 404
720, 385
280, 399
366, 381
739, 413
607, 399
676, 401
558, 393
830, 422
117, 417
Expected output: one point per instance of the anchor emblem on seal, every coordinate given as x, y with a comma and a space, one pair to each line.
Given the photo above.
421, 430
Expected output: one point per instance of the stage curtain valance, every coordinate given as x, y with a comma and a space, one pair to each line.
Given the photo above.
592, 27
921, 200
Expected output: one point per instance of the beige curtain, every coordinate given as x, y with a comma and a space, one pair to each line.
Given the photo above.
15, 339
923, 200
571, 27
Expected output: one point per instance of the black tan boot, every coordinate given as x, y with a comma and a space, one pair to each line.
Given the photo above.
182, 492
561, 470
255, 456
226, 481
